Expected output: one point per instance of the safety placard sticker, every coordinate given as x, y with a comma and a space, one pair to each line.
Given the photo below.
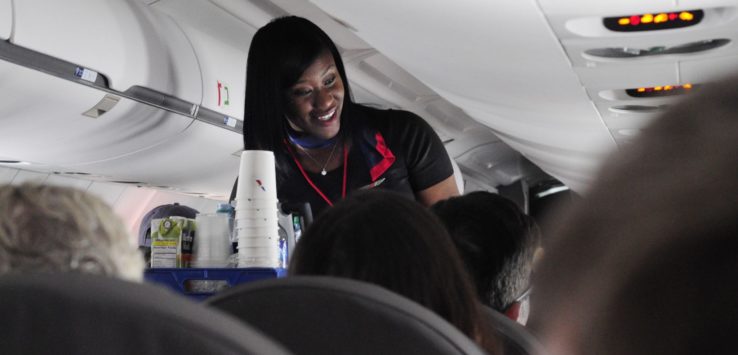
230, 121
85, 74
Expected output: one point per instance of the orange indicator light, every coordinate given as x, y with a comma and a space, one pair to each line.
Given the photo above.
658, 91
647, 18
686, 16
661, 18
624, 21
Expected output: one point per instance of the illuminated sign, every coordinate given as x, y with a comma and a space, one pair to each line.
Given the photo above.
658, 91
654, 21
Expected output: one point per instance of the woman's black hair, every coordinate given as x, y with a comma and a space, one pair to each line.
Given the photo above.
384, 238
279, 54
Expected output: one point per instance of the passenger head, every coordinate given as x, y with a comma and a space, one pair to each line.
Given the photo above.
645, 263
59, 229
497, 242
386, 239
279, 55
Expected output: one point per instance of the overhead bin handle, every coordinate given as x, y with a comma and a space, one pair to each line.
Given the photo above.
79, 74
174, 104
50, 65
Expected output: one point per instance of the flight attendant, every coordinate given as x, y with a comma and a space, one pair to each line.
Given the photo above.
298, 105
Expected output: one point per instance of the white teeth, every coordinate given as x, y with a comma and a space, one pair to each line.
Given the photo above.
327, 117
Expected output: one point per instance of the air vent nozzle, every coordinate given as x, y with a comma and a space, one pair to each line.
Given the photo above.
637, 109
630, 52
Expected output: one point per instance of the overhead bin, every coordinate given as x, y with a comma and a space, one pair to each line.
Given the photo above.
220, 40
122, 40
42, 120
106, 51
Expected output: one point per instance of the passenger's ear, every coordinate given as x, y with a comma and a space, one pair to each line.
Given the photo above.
513, 312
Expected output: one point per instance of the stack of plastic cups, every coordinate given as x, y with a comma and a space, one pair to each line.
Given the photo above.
256, 220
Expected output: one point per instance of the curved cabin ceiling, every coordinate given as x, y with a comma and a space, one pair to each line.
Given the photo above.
487, 76
518, 66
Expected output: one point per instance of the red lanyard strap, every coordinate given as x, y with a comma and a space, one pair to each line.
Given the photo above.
310, 181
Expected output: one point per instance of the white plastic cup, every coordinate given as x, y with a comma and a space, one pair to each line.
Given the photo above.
257, 176
255, 202
257, 232
257, 213
212, 245
257, 222
261, 242
258, 252
245, 262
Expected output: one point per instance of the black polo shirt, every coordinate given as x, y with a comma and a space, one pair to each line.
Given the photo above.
421, 161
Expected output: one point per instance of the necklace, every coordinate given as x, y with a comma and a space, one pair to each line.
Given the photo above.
330, 157
310, 181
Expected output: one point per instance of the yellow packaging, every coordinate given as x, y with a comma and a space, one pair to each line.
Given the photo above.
171, 242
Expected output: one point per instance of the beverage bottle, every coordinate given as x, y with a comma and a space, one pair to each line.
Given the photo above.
226, 208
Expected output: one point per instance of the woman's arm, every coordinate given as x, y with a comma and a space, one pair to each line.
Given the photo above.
440, 191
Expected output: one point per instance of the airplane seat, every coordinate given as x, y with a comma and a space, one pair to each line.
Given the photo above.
90, 314
329, 315
516, 340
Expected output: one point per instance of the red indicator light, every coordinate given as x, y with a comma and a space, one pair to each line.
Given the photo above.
673, 16
635, 20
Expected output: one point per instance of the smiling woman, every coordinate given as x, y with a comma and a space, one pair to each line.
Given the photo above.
298, 105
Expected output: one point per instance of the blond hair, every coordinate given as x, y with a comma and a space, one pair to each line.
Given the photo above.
61, 229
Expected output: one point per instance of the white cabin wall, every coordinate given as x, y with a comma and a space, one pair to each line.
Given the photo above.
130, 203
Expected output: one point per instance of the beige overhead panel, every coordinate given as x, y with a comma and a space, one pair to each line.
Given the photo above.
197, 161
42, 120
597, 80
122, 40
581, 8
589, 44
220, 42
607, 88
6, 19
708, 69
587, 21
255, 13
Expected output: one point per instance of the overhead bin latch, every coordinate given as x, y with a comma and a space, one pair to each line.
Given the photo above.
106, 104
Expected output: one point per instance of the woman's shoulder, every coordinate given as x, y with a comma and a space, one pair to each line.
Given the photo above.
385, 117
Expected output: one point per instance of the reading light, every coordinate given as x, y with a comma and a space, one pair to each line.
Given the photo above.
653, 21
658, 91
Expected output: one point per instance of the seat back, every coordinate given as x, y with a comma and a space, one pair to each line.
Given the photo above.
326, 315
89, 314
514, 338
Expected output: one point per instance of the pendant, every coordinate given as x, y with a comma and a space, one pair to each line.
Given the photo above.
323, 172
